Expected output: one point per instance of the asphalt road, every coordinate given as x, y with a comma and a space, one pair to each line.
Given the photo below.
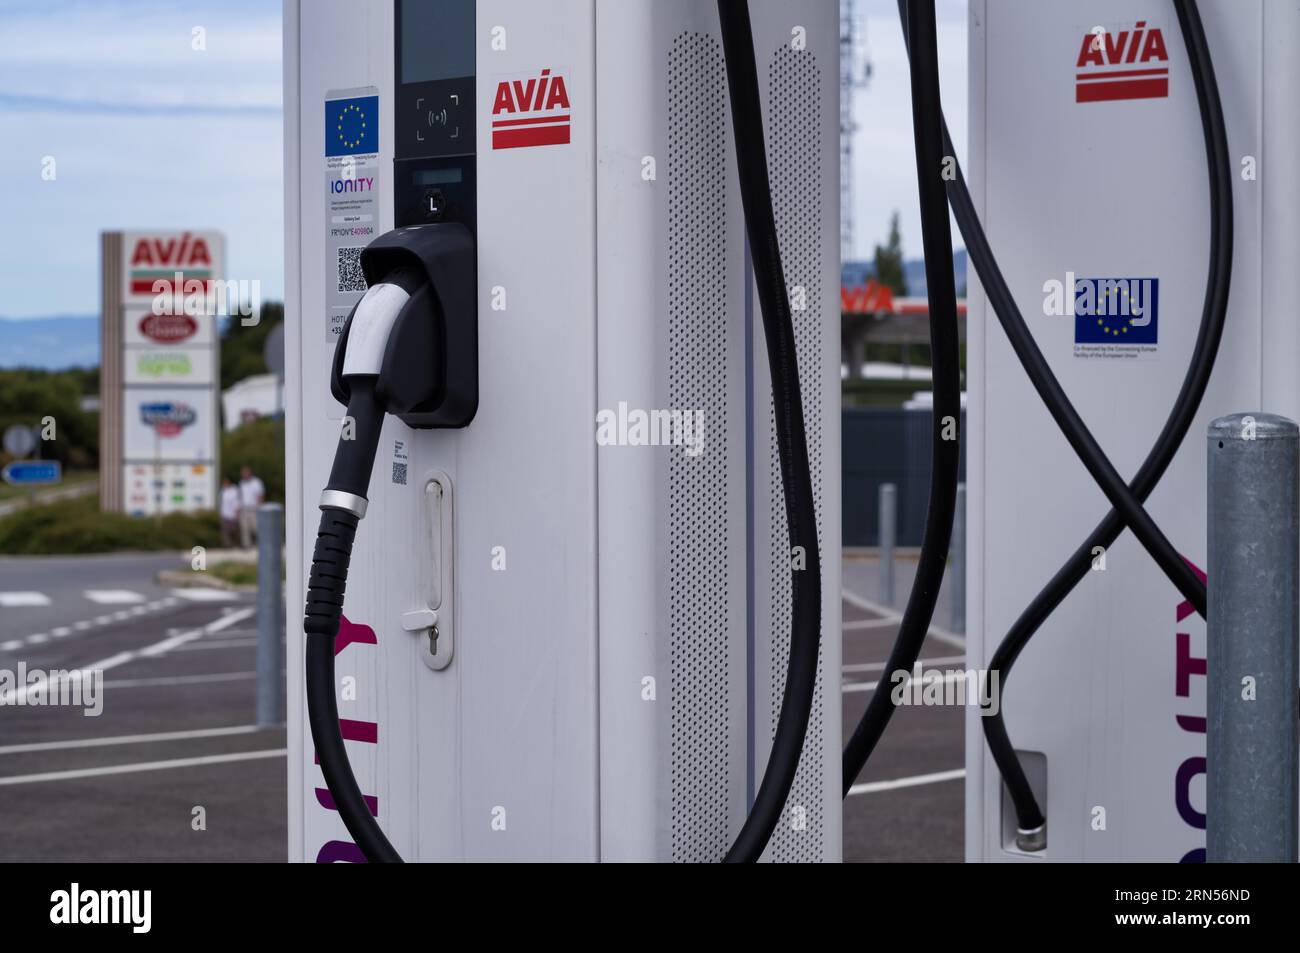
908, 803
172, 768
41, 595
175, 742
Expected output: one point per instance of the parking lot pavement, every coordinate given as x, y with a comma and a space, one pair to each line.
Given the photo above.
908, 803
172, 769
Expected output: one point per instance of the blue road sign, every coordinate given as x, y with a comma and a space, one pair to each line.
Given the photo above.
33, 472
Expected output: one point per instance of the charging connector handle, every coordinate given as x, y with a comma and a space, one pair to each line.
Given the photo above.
342, 507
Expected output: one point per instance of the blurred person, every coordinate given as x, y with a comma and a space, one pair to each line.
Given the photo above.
229, 512
251, 493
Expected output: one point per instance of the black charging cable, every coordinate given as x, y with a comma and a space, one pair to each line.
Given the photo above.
792, 447
945, 450
342, 506
1030, 819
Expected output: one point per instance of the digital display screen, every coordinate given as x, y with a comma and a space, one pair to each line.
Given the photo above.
448, 176
437, 39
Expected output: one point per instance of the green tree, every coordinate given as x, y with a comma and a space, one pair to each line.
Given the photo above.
241, 344
30, 395
259, 445
889, 260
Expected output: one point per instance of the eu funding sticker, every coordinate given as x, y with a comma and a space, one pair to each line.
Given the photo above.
351, 198
1116, 318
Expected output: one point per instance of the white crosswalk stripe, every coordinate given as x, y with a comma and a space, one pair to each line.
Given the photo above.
203, 594
113, 597
17, 600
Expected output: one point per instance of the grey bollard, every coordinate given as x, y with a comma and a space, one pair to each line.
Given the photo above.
270, 616
888, 533
1252, 681
957, 574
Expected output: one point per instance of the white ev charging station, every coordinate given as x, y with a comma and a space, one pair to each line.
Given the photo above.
1088, 168
568, 610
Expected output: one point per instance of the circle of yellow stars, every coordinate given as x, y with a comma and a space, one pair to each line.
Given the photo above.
343, 115
1101, 323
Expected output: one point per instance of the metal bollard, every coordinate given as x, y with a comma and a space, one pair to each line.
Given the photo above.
270, 616
957, 575
1252, 681
888, 534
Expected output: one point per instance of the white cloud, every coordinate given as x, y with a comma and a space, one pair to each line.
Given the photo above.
146, 133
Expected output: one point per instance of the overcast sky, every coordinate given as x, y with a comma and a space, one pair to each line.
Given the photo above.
148, 132
882, 147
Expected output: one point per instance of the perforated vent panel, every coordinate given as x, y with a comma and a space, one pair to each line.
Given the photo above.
698, 380
794, 167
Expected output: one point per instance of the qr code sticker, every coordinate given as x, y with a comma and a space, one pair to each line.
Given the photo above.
350, 275
399, 474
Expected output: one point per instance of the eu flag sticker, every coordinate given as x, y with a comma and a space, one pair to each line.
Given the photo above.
352, 126
1123, 311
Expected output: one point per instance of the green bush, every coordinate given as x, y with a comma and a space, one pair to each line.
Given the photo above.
79, 526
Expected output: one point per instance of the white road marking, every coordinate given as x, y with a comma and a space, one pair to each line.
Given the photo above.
113, 597
60, 631
144, 766
866, 605
37, 639
166, 680
204, 644
17, 600
860, 624
82, 626
880, 666
19, 695
873, 787
128, 739
202, 594
13, 645
848, 687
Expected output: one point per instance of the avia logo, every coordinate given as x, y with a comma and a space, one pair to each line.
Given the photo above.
1127, 64
168, 328
171, 252
870, 298
166, 418
532, 112
160, 256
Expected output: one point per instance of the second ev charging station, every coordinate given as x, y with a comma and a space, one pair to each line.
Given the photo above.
567, 620
1093, 138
